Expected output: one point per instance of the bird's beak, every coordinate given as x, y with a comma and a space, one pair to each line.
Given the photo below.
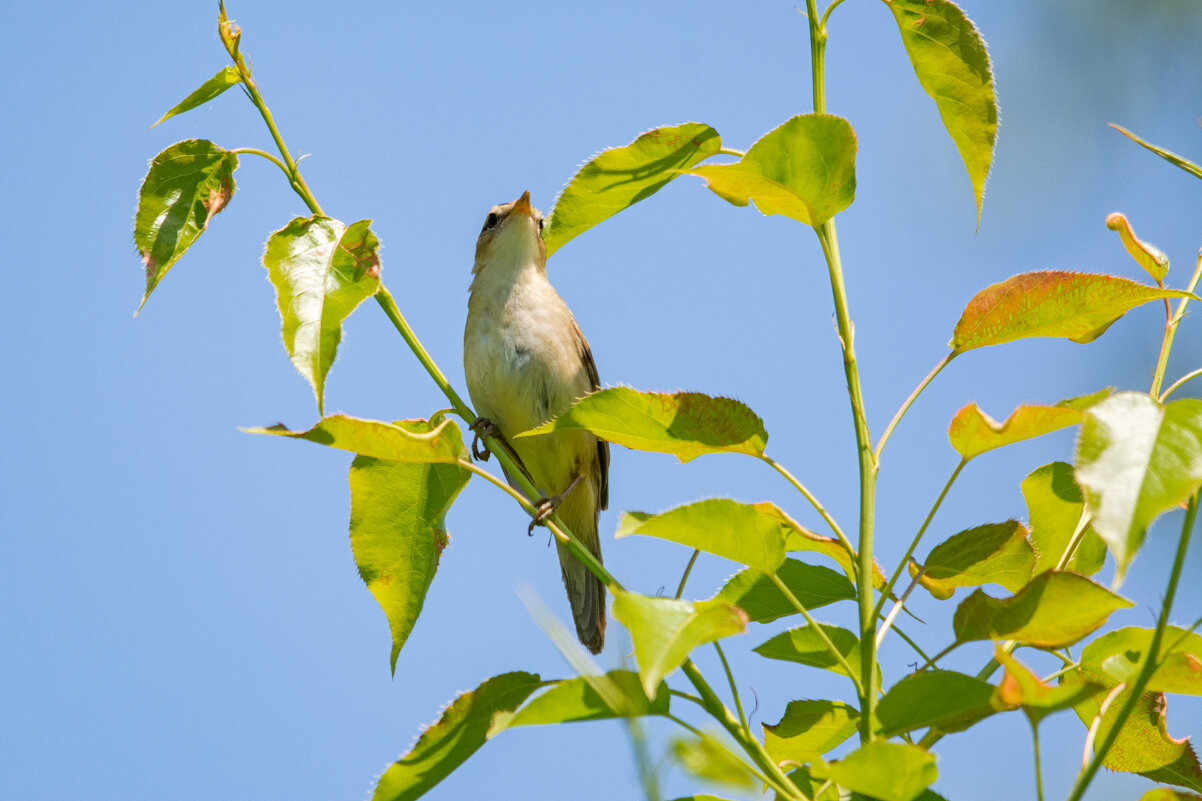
522, 205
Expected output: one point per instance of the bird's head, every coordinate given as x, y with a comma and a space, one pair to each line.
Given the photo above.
514, 231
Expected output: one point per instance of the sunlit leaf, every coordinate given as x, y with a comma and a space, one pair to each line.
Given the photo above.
1054, 507
799, 538
705, 759
208, 90
809, 729
950, 61
758, 596
402, 441
1168, 794
398, 532
665, 631
1170, 157
1055, 610
577, 699
1144, 745
187, 184
972, 432
616, 179
810, 787
1021, 688
684, 424
944, 698
1079, 306
804, 169
740, 532
321, 270
459, 733
804, 646
1146, 255
1120, 655
1137, 459
995, 553
884, 771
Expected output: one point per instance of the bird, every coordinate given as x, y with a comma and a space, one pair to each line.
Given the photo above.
526, 361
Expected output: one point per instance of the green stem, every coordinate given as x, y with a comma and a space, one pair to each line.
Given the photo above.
905, 407
734, 688
1170, 331
719, 712
730, 151
818, 507
687, 570
905, 560
1176, 385
827, 14
1038, 768
1149, 664
254, 151
1074, 541
830, 645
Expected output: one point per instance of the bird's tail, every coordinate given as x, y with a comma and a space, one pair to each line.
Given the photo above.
585, 591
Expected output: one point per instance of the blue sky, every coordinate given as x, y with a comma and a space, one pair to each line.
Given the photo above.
179, 611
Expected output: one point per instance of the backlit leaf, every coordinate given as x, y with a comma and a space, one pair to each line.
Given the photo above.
1146, 255
460, 731
1079, 306
804, 646
1054, 507
321, 270
1055, 610
1168, 794
208, 90
884, 771
665, 631
705, 759
1021, 688
1172, 158
972, 432
799, 538
804, 169
187, 184
944, 698
402, 441
1120, 655
616, 179
577, 699
758, 596
398, 532
737, 531
809, 729
994, 553
1137, 459
684, 424
950, 61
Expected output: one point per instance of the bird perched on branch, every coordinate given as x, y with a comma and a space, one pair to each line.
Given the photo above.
526, 362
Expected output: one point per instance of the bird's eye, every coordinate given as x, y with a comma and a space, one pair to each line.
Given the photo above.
540, 225
492, 220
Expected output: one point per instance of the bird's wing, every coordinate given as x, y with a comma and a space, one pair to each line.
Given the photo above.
590, 367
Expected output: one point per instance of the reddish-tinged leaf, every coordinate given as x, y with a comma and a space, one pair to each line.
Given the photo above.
1020, 687
1079, 306
1146, 255
1144, 745
973, 432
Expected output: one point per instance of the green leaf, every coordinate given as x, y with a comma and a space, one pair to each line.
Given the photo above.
665, 631
464, 726
1144, 745
741, 532
684, 424
810, 787
402, 441
398, 532
187, 184
321, 270
208, 90
1135, 460
951, 63
944, 698
1146, 255
1170, 157
804, 169
809, 729
799, 538
1021, 688
1168, 794
1079, 306
994, 553
758, 596
705, 759
885, 771
1054, 507
1120, 654
972, 432
1055, 610
804, 646
577, 699
616, 179
700, 797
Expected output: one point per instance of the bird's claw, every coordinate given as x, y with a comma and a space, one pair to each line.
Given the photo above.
543, 509
482, 427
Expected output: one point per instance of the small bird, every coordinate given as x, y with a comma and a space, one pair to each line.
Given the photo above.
526, 361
